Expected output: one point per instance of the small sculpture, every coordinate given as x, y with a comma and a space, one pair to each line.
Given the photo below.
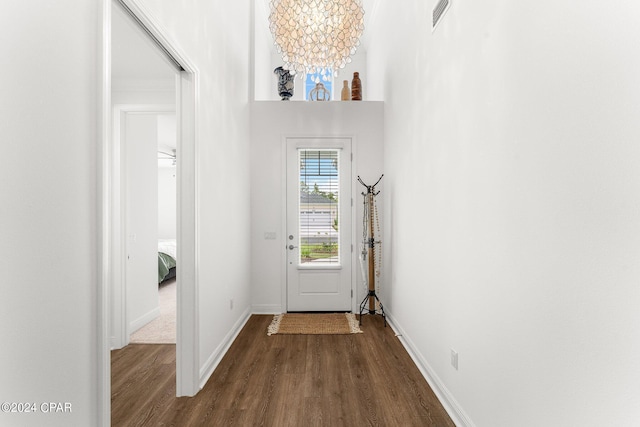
285, 83
319, 93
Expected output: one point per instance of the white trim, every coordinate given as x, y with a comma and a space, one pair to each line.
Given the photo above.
266, 309
103, 407
187, 342
214, 359
312, 143
143, 320
283, 260
354, 226
450, 404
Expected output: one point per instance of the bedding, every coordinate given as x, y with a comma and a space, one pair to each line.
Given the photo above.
167, 255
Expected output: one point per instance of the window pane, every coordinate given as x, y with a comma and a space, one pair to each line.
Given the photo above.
319, 208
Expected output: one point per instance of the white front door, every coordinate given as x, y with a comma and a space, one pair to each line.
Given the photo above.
318, 224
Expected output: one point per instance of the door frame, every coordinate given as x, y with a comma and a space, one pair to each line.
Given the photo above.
187, 348
119, 182
283, 204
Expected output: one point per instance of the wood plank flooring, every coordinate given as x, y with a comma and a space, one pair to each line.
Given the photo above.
281, 380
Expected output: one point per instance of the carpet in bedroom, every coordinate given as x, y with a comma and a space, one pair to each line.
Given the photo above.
161, 330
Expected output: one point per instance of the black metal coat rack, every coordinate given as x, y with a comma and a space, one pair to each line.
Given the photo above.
370, 241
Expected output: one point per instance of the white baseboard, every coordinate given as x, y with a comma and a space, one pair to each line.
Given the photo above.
266, 309
214, 359
143, 320
450, 404
115, 343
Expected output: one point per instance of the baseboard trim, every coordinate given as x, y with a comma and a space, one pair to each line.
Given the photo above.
214, 360
450, 404
115, 343
266, 309
143, 320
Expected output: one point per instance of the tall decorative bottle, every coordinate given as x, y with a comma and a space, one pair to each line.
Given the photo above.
346, 93
356, 87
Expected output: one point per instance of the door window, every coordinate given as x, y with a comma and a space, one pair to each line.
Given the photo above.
319, 207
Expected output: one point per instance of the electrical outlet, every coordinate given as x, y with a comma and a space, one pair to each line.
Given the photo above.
454, 359
231, 304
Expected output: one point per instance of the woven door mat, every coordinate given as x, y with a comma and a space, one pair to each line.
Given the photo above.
314, 324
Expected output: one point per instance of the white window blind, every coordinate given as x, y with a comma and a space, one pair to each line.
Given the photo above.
319, 240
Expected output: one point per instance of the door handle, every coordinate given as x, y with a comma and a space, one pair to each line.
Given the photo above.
291, 247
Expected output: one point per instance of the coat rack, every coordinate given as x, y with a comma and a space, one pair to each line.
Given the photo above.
370, 242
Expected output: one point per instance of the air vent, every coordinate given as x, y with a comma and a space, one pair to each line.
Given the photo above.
438, 12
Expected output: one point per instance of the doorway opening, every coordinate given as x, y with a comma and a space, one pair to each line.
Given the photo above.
112, 246
144, 292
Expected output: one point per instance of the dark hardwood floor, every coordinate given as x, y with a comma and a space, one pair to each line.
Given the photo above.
281, 380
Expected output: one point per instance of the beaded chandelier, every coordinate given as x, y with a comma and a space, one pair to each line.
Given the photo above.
313, 35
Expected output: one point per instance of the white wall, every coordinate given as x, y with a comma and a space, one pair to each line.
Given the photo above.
271, 121
263, 77
48, 134
167, 190
512, 197
160, 96
167, 202
215, 36
141, 145
135, 94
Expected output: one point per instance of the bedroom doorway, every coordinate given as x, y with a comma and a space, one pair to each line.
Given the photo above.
143, 92
119, 105
146, 136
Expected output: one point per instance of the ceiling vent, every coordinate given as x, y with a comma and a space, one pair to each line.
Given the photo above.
438, 13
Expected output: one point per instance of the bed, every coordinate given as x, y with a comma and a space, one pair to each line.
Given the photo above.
167, 255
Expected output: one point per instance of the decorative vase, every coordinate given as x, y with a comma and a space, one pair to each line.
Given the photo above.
285, 83
346, 93
356, 87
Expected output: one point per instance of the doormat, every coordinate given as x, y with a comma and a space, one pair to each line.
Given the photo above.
314, 324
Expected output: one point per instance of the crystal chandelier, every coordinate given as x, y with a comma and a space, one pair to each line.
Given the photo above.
314, 35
